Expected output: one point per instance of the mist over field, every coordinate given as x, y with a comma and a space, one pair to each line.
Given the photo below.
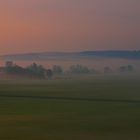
93, 59
69, 69
58, 96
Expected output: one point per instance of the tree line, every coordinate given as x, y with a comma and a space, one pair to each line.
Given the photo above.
33, 70
39, 71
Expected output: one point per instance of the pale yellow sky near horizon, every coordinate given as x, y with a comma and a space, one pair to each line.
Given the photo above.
69, 25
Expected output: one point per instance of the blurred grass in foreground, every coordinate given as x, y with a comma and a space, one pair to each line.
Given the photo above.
33, 119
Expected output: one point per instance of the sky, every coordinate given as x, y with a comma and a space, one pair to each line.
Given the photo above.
69, 25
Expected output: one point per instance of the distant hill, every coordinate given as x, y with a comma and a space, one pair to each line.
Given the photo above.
114, 54
73, 55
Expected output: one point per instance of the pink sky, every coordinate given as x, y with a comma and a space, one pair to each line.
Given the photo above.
68, 25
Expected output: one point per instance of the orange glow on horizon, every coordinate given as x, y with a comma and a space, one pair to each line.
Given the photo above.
52, 26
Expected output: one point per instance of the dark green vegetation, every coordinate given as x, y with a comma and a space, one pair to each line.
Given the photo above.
115, 116
32, 71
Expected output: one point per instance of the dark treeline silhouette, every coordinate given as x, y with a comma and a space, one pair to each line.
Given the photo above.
38, 71
80, 69
33, 70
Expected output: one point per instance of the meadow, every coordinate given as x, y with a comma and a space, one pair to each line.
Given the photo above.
90, 107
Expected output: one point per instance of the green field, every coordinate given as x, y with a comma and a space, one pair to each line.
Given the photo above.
92, 108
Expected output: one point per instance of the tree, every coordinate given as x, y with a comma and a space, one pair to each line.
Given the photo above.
36, 70
14, 69
79, 69
57, 69
49, 73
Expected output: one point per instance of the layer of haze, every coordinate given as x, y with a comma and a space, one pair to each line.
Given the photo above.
68, 25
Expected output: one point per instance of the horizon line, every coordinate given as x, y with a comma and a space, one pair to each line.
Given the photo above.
109, 50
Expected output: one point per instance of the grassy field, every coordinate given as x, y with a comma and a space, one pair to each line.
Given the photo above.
93, 108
